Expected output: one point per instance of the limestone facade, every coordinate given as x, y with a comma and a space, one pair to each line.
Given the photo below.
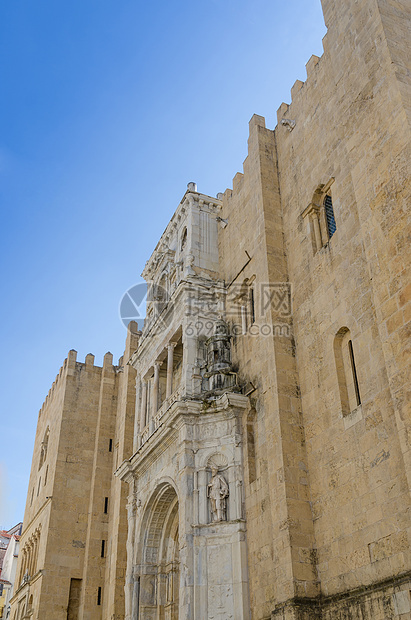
260, 421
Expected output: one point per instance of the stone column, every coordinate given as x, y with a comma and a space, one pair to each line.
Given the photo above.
317, 231
202, 496
155, 386
131, 518
189, 364
31, 559
35, 553
195, 497
143, 409
26, 560
170, 361
137, 415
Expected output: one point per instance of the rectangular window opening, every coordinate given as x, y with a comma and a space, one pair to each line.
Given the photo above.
110, 445
105, 505
354, 374
99, 596
103, 548
74, 598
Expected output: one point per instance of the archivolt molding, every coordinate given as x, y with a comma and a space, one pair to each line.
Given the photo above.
161, 503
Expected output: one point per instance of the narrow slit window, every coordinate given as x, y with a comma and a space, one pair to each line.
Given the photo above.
354, 373
110, 445
105, 505
329, 214
103, 548
99, 596
252, 306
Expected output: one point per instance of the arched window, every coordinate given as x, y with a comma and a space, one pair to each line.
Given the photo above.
319, 216
160, 291
329, 215
346, 371
183, 242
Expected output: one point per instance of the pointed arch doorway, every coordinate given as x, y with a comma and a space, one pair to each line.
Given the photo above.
158, 557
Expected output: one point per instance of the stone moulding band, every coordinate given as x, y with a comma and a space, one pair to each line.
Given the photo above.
319, 604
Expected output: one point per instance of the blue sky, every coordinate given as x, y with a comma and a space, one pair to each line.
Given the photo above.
107, 110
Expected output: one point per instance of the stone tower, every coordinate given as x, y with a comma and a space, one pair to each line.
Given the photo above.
73, 545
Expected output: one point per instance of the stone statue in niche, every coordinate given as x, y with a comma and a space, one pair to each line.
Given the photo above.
218, 367
217, 492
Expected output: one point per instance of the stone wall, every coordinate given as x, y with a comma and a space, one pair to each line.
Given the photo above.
331, 476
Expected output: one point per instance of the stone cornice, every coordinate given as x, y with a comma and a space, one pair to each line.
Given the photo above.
26, 585
180, 413
26, 529
124, 472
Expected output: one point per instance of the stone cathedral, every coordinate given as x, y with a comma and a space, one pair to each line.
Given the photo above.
248, 458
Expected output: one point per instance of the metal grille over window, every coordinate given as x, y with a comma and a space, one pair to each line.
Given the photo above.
329, 214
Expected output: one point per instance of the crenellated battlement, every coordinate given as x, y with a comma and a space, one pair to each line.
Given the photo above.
71, 363
284, 112
311, 67
238, 181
